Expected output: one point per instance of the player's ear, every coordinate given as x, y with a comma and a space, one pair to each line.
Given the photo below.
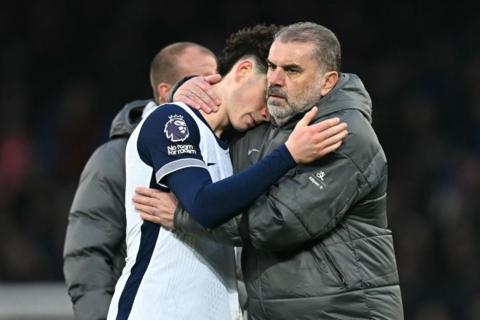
329, 80
243, 68
163, 89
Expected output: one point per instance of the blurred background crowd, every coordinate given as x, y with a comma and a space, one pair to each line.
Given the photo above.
66, 68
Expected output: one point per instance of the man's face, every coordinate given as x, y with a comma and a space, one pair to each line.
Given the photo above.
249, 107
294, 79
195, 62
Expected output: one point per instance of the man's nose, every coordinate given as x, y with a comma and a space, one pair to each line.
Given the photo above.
276, 77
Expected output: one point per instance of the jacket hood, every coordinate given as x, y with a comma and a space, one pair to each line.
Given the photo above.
348, 93
127, 119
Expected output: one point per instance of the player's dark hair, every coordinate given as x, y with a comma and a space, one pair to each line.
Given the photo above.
254, 41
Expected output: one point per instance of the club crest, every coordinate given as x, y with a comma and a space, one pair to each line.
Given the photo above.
176, 128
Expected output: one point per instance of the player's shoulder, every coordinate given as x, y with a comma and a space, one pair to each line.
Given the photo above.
174, 120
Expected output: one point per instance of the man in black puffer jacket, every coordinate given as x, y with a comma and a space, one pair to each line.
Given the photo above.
94, 253
317, 246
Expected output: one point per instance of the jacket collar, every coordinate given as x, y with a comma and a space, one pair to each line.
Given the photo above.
127, 119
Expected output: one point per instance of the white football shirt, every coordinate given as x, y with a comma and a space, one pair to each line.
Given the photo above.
172, 275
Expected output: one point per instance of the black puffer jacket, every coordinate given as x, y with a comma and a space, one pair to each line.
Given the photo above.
94, 252
317, 245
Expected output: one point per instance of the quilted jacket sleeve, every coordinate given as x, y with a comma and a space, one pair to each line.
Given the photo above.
94, 251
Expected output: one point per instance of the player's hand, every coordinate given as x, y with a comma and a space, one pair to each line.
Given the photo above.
155, 206
308, 143
197, 93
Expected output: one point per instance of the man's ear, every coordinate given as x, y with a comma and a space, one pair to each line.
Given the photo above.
329, 80
163, 89
243, 68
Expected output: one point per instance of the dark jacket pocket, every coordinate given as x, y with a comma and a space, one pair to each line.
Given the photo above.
323, 257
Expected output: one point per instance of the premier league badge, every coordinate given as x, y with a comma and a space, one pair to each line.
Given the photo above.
176, 128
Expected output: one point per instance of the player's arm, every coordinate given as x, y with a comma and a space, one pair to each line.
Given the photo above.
211, 204
163, 208
95, 233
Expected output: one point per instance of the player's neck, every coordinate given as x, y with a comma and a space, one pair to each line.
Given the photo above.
218, 121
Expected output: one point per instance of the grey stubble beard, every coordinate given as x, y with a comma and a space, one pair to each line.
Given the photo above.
281, 113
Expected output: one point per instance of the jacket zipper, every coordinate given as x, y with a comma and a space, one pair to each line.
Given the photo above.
334, 267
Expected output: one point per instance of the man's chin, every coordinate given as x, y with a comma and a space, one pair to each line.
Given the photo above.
280, 116
275, 107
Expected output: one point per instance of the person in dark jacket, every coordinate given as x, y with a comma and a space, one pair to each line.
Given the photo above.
94, 252
317, 244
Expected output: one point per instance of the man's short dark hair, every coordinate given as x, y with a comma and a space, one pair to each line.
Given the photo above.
327, 47
254, 41
164, 67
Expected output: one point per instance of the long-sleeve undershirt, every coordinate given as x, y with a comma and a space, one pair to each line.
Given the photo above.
212, 204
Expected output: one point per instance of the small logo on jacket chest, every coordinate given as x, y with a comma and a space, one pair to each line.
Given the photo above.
317, 179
